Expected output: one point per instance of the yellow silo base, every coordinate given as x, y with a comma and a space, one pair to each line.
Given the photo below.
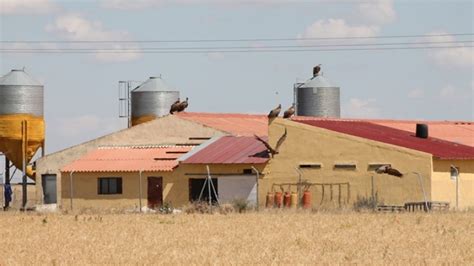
12, 137
142, 119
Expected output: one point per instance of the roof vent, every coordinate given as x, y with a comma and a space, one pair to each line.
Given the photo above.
422, 131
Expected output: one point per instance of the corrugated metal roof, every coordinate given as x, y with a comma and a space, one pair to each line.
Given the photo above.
154, 84
19, 77
236, 124
461, 132
438, 148
318, 82
129, 159
231, 150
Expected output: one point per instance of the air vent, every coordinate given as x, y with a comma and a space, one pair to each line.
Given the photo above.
311, 165
199, 138
375, 166
345, 166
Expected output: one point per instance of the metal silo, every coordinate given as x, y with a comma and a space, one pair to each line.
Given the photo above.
152, 99
317, 97
21, 120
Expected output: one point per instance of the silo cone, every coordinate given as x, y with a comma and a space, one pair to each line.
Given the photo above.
12, 138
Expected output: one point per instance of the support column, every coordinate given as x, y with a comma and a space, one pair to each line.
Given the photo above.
7, 182
24, 153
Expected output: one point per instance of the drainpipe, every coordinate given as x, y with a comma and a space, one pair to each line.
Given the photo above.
300, 175
140, 190
422, 188
457, 186
257, 177
71, 186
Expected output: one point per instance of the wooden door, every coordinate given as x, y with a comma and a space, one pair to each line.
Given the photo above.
155, 192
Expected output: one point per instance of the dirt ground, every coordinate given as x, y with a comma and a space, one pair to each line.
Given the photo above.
275, 237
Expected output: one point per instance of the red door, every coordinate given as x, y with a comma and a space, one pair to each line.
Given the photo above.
155, 192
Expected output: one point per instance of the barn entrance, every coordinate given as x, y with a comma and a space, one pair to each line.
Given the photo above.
155, 192
49, 188
195, 188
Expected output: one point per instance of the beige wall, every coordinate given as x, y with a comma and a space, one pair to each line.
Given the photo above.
308, 144
444, 189
165, 130
175, 187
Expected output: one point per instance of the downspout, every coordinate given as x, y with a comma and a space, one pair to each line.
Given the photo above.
257, 177
71, 186
140, 190
300, 175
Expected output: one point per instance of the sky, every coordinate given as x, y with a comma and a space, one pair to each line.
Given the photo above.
81, 90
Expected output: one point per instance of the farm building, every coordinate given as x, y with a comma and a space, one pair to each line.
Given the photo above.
168, 159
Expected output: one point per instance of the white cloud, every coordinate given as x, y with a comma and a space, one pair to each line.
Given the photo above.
337, 28
377, 11
75, 27
462, 56
448, 91
416, 93
25, 7
361, 108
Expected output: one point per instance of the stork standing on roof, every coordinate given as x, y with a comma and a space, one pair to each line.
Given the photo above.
316, 70
183, 105
289, 112
174, 107
275, 112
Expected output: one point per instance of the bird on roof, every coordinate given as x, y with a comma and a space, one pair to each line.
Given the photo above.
289, 112
316, 70
174, 107
387, 169
275, 112
183, 105
271, 150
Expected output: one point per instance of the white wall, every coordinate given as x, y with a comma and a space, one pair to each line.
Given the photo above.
237, 187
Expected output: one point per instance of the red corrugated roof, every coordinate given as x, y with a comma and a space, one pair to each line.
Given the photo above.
236, 124
231, 150
437, 147
461, 132
129, 159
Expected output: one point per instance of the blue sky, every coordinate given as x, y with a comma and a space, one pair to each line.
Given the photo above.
81, 89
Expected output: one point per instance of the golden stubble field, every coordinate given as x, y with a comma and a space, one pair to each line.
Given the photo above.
252, 238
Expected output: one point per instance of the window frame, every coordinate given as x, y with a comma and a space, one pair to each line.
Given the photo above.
101, 190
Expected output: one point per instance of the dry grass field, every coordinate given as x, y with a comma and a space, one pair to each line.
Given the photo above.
252, 238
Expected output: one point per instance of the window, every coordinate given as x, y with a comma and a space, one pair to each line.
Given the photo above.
311, 165
345, 166
109, 185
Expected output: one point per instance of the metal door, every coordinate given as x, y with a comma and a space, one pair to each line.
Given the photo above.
49, 188
155, 192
